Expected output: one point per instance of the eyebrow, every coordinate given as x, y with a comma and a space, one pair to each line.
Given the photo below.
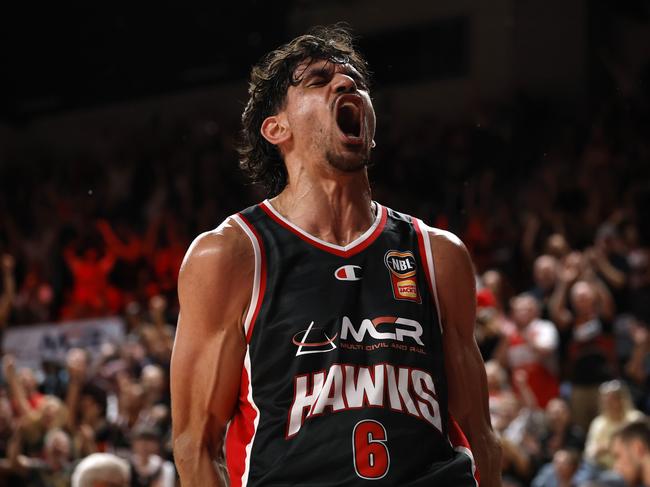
312, 72
327, 70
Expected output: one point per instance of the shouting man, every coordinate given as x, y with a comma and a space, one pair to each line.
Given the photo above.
323, 338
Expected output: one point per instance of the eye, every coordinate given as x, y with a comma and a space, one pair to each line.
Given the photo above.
316, 81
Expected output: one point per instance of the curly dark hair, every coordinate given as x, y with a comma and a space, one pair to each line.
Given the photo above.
269, 82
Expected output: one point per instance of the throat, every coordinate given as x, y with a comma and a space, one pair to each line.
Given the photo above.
335, 222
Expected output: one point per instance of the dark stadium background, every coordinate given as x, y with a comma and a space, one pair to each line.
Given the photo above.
509, 122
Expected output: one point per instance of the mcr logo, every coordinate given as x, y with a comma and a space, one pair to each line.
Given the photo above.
392, 328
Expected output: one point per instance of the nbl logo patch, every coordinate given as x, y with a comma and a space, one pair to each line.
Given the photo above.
403, 275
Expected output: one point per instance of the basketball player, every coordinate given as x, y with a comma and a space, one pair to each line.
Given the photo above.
323, 338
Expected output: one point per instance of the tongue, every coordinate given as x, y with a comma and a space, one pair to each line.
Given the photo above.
348, 121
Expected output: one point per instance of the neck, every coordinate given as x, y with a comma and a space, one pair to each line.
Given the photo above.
333, 206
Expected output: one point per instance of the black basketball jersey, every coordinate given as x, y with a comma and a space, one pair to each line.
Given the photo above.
343, 381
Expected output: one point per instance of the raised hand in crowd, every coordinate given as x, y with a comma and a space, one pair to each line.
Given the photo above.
7, 265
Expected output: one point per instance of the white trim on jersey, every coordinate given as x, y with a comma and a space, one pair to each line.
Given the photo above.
428, 257
341, 248
257, 275
247, 323
256, 421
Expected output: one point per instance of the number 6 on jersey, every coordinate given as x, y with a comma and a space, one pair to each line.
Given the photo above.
371, 457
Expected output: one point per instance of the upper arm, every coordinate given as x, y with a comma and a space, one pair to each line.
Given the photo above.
214, 288
456, 288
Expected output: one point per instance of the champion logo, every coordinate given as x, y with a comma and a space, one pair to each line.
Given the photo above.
313, 340
349, 273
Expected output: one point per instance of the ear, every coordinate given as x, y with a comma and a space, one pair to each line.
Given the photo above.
275, 129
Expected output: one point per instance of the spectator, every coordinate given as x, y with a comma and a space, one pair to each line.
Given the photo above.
560, 472
532, 347
22, 387
489, 326
545, 271
516, 466
608, 259
87, 405
53, 470
588, 342
561, 433
101, 470
34, 299
557, 246
148, 469
616, 410
91, 294
497, 283
158, 335
630, 450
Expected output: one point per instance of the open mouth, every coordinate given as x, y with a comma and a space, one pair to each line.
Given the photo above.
348, 116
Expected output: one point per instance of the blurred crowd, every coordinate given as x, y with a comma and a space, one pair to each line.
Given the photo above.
551, 199
116, 404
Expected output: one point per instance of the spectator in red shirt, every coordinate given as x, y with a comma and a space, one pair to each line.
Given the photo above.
91, 293
532, 347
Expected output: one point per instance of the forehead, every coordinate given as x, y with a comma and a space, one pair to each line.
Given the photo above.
310, 65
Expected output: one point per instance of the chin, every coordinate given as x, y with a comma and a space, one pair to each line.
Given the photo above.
348, 162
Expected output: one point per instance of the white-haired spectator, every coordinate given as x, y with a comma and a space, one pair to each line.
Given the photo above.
102, 470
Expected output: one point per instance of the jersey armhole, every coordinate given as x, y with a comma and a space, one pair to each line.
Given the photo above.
259, 279
424, 243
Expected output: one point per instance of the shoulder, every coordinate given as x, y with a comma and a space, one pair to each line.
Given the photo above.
447, 242
597, 424
449, 252
454, 281
223, 251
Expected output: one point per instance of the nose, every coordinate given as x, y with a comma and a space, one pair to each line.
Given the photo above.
344, 83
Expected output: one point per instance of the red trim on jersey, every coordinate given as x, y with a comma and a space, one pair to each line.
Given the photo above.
458, 438
333, 250
262, 284
240, 434
423, 255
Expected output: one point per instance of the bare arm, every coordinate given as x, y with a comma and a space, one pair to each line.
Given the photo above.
76, 366
560, 314
111, 240
214, 289
466, 380
605, 299
9, 293
16, 388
